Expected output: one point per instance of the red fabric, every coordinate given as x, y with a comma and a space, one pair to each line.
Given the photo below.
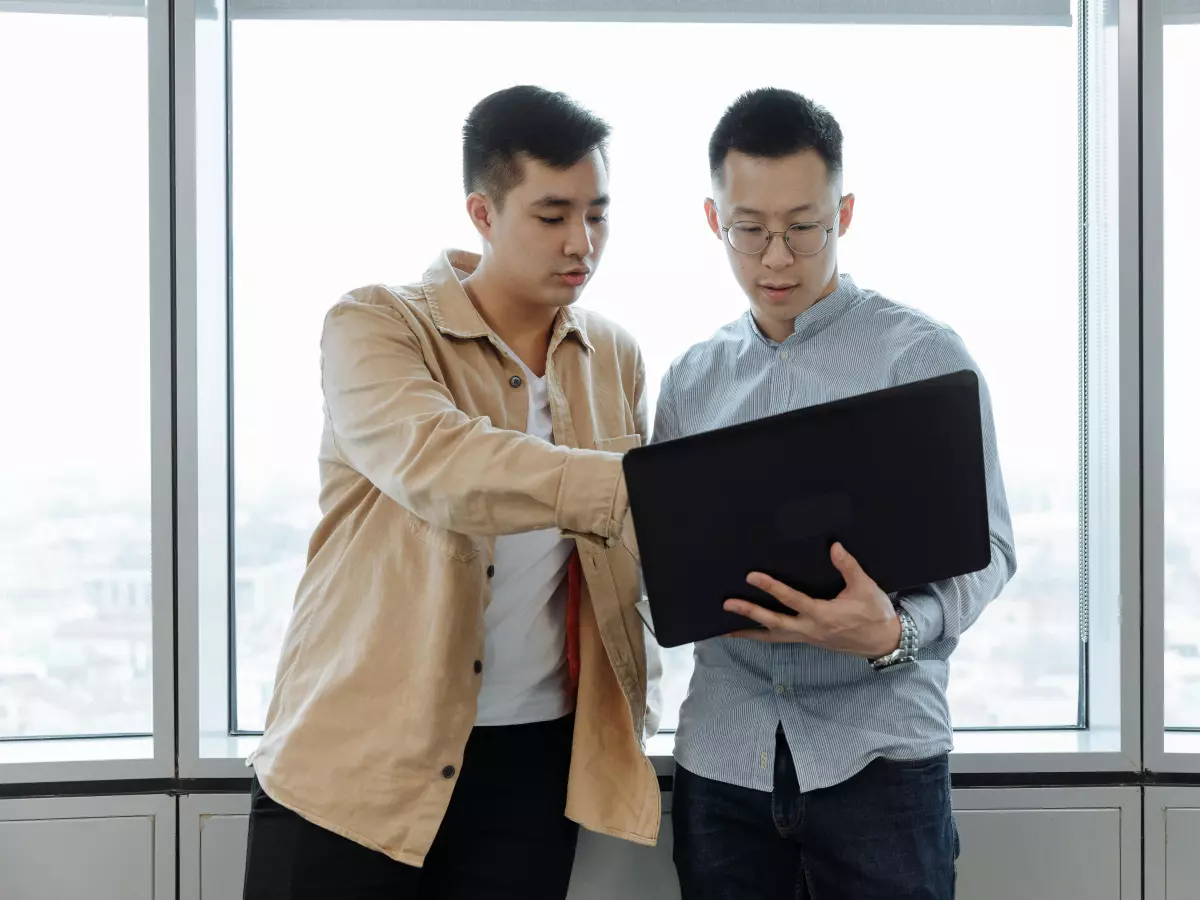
574, 592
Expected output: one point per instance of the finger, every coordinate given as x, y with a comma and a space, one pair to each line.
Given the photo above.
847, 565
765, 617
789, 597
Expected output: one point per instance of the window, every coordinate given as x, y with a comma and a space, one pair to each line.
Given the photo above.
968, 203
1181, 199
159, 373
75, 599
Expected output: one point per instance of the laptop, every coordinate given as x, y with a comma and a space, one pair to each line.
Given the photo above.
896, 475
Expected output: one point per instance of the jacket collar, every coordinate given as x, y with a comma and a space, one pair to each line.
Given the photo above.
456, 316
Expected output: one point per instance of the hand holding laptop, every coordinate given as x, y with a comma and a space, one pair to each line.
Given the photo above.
860, 620
896, 473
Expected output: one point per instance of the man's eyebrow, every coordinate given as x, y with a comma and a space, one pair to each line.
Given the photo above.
747, 211
557, 202
802, 208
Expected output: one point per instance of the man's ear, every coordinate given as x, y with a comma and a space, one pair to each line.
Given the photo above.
714, 220
846, 215
479, 208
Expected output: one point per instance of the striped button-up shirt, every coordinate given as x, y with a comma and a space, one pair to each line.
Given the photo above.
837, 712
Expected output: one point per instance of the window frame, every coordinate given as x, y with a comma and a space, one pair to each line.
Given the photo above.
1110, 741
189, 271
207, 746
1175, 750
848, 12
1174, 12
1123, 736
122, 757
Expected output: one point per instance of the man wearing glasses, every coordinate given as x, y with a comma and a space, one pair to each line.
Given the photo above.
812, 756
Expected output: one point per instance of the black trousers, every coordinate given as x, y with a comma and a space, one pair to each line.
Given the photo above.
504, 835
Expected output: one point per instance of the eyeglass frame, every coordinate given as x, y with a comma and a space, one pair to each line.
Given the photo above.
828, 229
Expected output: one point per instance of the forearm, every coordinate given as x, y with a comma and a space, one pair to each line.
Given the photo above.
945, 609
476, 479
400, 427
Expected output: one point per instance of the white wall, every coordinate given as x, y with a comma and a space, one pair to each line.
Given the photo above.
1056, 844
1018, 844
98, 848
1172, 843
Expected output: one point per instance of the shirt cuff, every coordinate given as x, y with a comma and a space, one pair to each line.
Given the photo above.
591, 496
926, 612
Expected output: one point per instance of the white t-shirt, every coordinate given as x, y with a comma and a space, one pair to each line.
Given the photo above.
525, 665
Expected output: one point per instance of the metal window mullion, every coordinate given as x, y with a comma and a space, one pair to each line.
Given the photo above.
1152, 395
1006, 12
1128, 389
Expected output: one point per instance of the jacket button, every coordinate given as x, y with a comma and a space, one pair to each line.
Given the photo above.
515, 381
491, 571
478, 666
448, 772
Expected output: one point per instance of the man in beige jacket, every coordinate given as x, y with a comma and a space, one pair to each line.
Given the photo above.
464, 678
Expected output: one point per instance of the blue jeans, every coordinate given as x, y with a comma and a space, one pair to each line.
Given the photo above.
888, 833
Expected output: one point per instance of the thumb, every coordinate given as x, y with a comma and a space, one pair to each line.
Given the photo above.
847, 564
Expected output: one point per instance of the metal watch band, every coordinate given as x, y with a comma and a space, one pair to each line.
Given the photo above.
907, 651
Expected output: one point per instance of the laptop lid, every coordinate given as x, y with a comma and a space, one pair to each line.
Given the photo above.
896, 475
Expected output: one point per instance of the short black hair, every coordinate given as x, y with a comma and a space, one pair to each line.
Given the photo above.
770, 123
526, 121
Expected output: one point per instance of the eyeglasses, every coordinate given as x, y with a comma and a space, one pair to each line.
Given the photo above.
802, 239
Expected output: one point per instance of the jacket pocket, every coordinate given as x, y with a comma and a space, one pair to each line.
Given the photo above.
458, 546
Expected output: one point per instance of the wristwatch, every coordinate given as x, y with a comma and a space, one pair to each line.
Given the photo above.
907, 651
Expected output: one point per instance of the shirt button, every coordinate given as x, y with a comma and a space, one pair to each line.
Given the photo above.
448, 772
515, 381
779, 689
478, 666
784, 355
491, 571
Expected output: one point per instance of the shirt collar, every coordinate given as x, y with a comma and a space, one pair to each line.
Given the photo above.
456, 316
816, 317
